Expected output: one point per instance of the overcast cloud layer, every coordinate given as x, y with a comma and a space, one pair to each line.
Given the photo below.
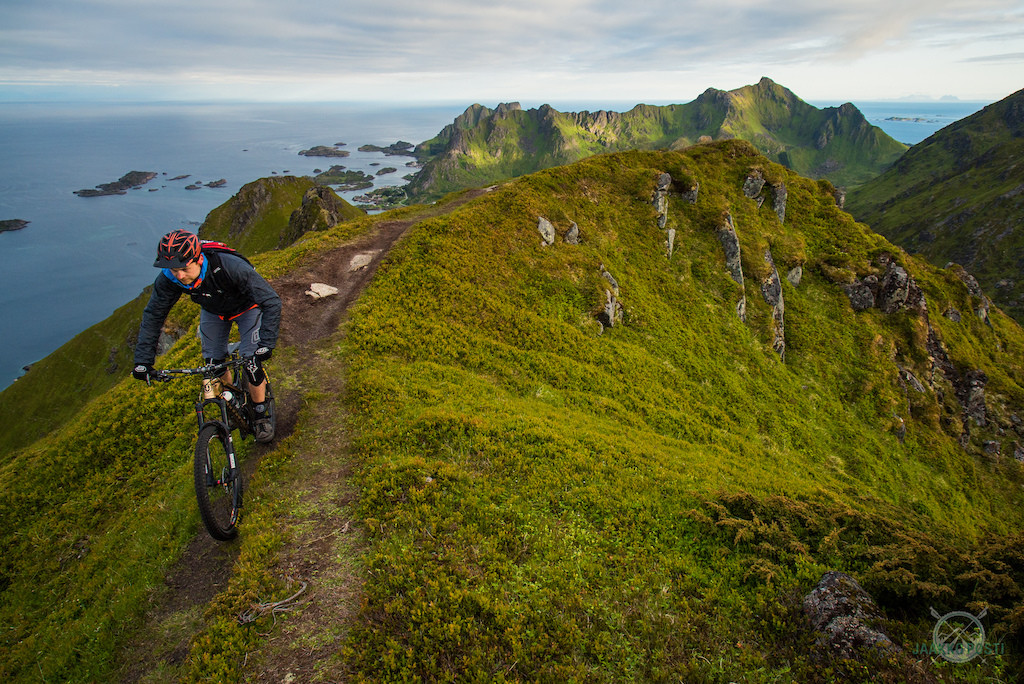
529, 50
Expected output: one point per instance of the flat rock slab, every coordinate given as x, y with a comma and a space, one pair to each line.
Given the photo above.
320, 290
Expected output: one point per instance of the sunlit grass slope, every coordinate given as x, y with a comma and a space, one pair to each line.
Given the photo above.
93, 515
547, 501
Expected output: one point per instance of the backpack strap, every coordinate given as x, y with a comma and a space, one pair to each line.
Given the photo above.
216, 247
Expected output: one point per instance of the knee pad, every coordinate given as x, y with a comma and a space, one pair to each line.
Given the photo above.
254, 371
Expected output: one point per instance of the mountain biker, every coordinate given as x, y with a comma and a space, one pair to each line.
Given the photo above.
228, 290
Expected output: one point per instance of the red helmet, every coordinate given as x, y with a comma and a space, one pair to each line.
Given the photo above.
176, 249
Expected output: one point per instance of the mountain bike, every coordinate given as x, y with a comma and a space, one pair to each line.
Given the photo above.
220, 409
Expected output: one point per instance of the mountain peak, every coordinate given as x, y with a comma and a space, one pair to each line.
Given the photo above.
809, 140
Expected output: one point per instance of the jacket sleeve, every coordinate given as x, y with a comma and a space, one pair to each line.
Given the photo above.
165, 295
259, 291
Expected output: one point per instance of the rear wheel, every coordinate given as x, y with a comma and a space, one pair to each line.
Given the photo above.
218, 494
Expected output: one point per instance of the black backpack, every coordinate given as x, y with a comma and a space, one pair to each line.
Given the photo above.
221, 248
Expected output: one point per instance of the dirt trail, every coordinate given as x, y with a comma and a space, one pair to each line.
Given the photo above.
332, 592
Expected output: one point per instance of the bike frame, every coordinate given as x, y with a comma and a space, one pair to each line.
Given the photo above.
212, 394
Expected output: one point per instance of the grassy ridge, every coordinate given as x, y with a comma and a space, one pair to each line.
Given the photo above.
546, 501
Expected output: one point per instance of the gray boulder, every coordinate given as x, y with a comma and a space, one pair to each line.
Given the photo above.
795, 275
860, 295
546, 230
753, 184
845, 617
572, 237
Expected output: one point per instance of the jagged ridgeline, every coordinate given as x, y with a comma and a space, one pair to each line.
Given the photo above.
959, 196
610, 421
483, 145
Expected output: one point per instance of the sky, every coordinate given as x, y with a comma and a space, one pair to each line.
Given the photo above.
532, 51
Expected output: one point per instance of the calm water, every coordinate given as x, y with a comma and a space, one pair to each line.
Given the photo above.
80, 258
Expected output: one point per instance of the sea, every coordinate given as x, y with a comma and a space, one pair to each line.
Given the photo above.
79, 258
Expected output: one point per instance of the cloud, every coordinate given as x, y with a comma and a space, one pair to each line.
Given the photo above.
247, 41
1006, 57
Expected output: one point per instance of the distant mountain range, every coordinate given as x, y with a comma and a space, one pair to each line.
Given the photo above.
487, 145
959, 196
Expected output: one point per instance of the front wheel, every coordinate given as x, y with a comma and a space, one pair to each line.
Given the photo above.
218, 485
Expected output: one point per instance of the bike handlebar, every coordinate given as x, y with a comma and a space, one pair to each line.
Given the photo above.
208, 370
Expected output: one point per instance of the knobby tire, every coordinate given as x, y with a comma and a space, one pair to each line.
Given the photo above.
215, 497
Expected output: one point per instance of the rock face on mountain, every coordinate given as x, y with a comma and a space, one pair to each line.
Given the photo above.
483, 145
958, 197
321, 209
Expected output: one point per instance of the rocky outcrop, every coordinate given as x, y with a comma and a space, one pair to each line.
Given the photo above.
795, 275
780, 195
666, 185
980, 302
546, 230
771, 290
731, 244
572, 236
968, 387
754, 186
321, 209
613, 312
861, 293
895, 291
845, 618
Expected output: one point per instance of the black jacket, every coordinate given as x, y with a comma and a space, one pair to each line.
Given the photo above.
230, 287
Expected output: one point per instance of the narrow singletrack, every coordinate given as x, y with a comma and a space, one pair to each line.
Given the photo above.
205, 566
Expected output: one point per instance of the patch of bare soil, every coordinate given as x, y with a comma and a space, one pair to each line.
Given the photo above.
323, 540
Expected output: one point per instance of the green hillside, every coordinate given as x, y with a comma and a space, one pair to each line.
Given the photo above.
273, 212
265, 214
569, 459
485, 146
959, 196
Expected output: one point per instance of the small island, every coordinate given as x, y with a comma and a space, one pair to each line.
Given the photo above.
386, 170
382, 198
324, 151
400, 148
132, 179
12, 224
217, 183
345, 180
910, 119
